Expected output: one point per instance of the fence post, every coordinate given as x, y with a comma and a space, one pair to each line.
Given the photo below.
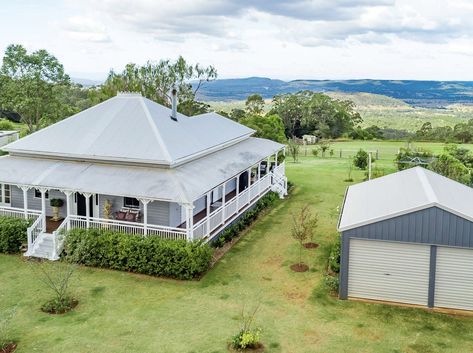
340, 153
377, 154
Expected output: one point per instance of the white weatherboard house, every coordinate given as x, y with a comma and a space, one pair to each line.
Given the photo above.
132, 165
408, 238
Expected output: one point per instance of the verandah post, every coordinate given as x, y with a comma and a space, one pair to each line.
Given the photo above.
223, 202
190, 221
68, 194
259, 177
25, 200
43, 207
237, 192
209, 194
87, 208
145, 203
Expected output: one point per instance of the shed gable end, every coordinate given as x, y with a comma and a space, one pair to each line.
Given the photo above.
428, 226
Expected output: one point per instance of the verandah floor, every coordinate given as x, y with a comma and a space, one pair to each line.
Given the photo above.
202, 214
51, 225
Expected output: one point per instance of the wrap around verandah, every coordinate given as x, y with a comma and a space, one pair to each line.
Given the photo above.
265, 175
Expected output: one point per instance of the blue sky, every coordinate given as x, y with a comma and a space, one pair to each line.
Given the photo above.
285, 39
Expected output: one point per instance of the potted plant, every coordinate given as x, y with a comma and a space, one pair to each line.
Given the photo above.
56, 204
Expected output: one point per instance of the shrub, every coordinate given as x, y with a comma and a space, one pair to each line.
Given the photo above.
59, 306
293, 149
246, 339
361, 159
249, 217
331, 283
315, 152
12, 234
56, 202
334, 257
56, 278
148, 255
408, 158
6, 125
248, 336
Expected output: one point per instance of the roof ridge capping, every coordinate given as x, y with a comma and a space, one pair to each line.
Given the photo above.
426, 185
128, 94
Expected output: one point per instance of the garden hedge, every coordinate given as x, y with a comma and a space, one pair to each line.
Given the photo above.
12, 234
148, 255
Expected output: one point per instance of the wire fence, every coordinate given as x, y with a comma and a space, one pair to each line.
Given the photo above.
307, 151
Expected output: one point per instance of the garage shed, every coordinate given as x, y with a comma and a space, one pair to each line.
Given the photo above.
408, 238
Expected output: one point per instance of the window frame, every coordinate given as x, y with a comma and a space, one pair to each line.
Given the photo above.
3, 197
131, 205
37, 194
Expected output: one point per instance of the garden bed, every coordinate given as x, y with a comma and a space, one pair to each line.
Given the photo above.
259, 349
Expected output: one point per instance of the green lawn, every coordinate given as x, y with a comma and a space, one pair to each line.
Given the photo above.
121, 312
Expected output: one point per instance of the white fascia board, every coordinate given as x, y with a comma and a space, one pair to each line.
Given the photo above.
404, 212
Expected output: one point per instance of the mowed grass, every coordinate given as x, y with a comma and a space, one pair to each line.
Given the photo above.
122, 312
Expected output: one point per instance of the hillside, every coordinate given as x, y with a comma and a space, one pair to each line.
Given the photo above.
383, 111
418, 93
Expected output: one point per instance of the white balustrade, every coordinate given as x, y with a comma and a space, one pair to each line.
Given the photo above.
127, 227
230, 208
18, 212
200, 229
34, 231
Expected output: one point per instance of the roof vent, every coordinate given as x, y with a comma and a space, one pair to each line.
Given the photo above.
174, 103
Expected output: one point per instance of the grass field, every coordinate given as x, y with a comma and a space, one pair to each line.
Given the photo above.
121, 312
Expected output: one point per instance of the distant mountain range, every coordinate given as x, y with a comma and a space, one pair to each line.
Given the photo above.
418, 93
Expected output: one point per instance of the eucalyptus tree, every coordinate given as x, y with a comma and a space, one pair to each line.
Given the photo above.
155, 80
33, 85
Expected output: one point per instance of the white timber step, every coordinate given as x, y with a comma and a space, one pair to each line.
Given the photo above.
44, 247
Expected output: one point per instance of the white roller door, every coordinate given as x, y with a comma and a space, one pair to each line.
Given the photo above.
397, 272
454, 278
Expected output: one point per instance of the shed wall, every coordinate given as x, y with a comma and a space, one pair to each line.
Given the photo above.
430, 226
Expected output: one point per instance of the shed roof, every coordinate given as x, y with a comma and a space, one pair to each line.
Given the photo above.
402, 193
183, 184
130, 128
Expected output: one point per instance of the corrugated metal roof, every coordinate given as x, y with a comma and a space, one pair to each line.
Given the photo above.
132, 129
185, 183
401, 193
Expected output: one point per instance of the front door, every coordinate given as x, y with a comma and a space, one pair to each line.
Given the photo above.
81, 209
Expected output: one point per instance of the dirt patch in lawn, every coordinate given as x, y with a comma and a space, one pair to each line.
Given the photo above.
258, 349
311, 245
299, 267
8, 348
295, 296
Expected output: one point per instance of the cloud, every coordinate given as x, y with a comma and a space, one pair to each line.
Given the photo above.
306, 22
85, 29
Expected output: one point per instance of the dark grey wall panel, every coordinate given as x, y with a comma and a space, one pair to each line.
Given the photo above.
429, 226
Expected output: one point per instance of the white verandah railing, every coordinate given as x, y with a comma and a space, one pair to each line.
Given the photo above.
32, 215
19, 213
125, 227
233, 208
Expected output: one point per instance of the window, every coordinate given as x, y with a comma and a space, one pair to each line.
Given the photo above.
131, 202
5, 198
37, 194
